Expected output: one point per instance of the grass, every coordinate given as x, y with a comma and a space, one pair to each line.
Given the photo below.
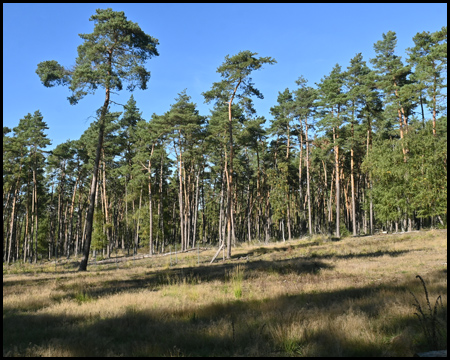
433, 321
311, 297
236, 279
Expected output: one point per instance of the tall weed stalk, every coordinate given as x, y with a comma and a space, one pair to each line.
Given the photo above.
433, 326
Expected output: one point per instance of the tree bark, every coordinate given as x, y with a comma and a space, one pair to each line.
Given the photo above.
230, 174
308, 193
11, 231
92, 192
352, 181
336, 151
194, 234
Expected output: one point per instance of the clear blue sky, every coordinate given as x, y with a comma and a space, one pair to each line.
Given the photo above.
305, 39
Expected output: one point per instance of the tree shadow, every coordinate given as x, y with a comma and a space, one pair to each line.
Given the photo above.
262, 250
378, 253
155, 279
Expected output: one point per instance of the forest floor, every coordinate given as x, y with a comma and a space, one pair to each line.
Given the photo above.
307, 297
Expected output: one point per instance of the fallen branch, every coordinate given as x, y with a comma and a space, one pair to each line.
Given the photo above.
217, 253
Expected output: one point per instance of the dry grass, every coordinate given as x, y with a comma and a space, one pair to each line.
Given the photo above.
301, 298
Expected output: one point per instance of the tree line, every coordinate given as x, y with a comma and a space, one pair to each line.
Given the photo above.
363, 149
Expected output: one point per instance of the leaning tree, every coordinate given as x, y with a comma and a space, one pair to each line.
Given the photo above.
116, 51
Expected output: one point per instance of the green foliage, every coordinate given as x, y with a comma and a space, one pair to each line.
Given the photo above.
51, 73
237, 82
116, 51
429, 57
344, 232
419, 184
99, 238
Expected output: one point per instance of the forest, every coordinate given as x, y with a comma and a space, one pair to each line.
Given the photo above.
362, 151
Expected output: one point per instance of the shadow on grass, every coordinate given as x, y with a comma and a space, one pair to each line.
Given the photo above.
154, 279
262, 250
378, 253
239, 327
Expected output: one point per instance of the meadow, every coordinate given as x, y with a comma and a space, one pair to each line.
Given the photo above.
308, 297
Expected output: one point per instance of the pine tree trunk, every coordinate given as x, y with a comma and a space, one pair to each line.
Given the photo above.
105, 201
228, 214
78, 226
160, 203
221, 210
308, 192
187, 208
180, 200
434, 114
66, 247
233, 218
230, 176
26, 240
336, 151
330, 201
371, 210
11, 227
352, 180
72, 205
258, 197
35, 223
60, 209
33, 232
136, 238
229, 194
300, 166
92, 192
194, 234
150, 209
249, 212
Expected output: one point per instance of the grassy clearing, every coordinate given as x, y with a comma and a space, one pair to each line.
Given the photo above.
302, 298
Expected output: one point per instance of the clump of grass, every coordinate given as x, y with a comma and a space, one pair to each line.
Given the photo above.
318, 239
292, 347
236, 279
82, 297
434, 328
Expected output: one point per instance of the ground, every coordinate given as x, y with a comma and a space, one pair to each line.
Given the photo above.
307, 297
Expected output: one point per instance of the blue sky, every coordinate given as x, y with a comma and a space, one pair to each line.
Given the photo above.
305, 39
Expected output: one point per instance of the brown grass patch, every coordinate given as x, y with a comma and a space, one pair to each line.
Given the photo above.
303, 298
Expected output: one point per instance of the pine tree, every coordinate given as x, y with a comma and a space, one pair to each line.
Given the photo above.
116, 51
392, 81
304, 108
281, 127
429, 58
127, 139
14, 176
333, 102
37, 141
185, 125
237, 84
